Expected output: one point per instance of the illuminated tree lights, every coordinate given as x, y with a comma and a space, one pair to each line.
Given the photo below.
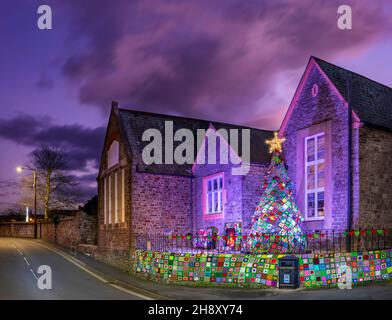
277, 216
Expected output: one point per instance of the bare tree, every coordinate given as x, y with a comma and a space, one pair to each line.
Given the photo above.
56, 186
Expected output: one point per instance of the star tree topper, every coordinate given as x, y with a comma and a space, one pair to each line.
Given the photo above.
275, 144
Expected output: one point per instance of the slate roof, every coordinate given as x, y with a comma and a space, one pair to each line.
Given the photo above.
134, 123
370, 100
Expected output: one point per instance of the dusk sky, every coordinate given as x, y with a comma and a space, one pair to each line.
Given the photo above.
230, 61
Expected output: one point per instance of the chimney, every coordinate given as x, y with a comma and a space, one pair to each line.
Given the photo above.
114, 104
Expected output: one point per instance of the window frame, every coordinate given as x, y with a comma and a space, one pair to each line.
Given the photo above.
316, 189
221, 199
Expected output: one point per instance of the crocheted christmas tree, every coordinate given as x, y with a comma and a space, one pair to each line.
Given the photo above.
276, 221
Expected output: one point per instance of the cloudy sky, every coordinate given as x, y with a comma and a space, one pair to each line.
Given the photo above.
232, 61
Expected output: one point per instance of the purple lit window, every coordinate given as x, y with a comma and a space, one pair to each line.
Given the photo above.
213, 196
315, 176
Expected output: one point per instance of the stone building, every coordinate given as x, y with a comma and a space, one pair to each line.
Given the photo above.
138, 197
317, 148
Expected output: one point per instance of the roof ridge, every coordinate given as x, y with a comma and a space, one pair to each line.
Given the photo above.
195, 119
353, 72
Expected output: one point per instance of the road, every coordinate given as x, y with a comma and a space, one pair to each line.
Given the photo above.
19, 262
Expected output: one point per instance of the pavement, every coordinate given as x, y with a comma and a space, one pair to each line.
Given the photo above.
83, 277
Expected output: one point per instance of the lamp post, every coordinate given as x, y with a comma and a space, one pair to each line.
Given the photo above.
19, 170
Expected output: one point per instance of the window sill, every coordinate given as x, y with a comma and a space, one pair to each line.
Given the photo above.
119, 225
313, 219
212, 216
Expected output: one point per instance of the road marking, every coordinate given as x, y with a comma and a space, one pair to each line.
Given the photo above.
26, 261
79, 265
130, 292
20, 252
34, 274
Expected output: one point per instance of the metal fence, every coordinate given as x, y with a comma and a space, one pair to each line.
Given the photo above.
323, 241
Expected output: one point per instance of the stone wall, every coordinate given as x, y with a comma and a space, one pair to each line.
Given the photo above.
81, 228
376, 178
325, 108
17, 229
161, 204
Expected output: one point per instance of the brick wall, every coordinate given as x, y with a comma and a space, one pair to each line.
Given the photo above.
326, 106
376, 178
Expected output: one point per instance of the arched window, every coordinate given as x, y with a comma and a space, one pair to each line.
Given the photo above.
113, 154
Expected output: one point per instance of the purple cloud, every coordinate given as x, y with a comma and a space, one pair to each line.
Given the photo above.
81, 143
211, 59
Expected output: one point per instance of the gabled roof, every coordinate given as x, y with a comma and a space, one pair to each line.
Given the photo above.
134, 123
371, 101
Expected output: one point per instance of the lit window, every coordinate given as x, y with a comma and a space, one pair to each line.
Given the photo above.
315, 176
113, 154
214, 194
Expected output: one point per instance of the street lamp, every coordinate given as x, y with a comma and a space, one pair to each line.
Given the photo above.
19, 170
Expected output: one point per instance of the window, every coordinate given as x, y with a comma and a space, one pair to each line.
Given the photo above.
113, 154
105, 212
315, 90
213, 197
115, 198
315, 177
122, 195
110, 200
